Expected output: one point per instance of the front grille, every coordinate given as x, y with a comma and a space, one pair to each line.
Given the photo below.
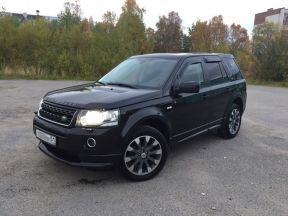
56, 113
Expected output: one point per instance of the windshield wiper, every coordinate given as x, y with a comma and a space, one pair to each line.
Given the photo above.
121, 84
101, 83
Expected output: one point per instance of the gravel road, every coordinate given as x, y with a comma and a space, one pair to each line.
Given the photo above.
205, 176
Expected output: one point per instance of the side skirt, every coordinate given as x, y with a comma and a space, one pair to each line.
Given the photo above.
200, 132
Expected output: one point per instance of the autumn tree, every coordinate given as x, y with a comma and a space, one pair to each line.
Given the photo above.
31, 44
218, 34
150, 35
209, 36
109, 21
8, 33
85, 26
238, 39
168, 33
105, 44
200, 37
239, 46
81, 48
131, 30
270, 48
71, 15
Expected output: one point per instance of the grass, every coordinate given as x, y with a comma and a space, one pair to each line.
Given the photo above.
8, 73
268, 83
14, 76
37, 77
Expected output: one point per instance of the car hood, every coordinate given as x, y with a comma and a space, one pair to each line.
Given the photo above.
91, 96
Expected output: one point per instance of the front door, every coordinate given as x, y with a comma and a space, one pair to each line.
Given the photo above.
190, 110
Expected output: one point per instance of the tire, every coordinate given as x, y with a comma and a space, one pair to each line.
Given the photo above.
232, 122
144, 154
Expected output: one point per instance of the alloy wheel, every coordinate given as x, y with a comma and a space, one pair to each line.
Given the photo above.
234, 121
143, 155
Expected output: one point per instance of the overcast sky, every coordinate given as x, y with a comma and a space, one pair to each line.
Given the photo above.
241, 11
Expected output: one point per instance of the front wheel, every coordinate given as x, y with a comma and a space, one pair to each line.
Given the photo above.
232, 123
145, 153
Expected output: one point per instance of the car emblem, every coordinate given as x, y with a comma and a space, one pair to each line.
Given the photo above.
64, 118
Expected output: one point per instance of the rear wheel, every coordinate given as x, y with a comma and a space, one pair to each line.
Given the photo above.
145, 154
232, 123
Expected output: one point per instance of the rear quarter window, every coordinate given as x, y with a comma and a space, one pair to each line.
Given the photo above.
232, 68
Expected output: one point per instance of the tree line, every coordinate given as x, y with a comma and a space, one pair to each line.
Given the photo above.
71, 47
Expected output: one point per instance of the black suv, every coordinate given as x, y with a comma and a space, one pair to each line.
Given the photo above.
131, 115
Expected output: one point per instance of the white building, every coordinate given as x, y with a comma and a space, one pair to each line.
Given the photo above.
278, 16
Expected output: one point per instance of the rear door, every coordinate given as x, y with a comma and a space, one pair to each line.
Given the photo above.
217, 92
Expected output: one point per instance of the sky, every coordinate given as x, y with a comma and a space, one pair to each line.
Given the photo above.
240, 12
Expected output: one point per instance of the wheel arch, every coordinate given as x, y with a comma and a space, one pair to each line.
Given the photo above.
239, 102
152, 117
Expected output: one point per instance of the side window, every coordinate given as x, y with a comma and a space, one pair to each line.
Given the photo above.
232, 68
192, 72
224, 73
231, 65
213, 71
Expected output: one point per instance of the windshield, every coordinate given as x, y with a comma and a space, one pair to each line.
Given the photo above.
141, 73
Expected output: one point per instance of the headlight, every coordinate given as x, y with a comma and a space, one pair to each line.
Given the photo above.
90, 118
40, 104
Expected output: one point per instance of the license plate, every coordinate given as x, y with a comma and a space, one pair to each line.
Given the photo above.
46, 137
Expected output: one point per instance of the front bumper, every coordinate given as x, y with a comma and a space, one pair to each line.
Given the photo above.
71, 144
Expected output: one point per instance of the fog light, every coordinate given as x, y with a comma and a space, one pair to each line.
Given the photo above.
91, 142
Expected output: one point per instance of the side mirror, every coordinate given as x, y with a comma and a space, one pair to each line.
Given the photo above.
188, 87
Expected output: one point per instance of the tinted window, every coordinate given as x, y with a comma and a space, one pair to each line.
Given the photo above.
141, 72
192, 72
231, 65
213, 71
224, 74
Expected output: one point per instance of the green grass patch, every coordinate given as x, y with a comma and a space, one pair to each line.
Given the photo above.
45, 77
268, 83
31, 76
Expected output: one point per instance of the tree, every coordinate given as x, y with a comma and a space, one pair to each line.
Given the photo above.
150, 35
85, 26
8, 33
218, 34
105, 44
238, 39
168, 33
239, 46
131, 7
209, 36
186, 42
270, 48
91, 22
131, 31
200, 37
109, 20
71, 15
2, 12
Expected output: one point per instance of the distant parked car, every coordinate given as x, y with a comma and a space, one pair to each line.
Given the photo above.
132, 114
